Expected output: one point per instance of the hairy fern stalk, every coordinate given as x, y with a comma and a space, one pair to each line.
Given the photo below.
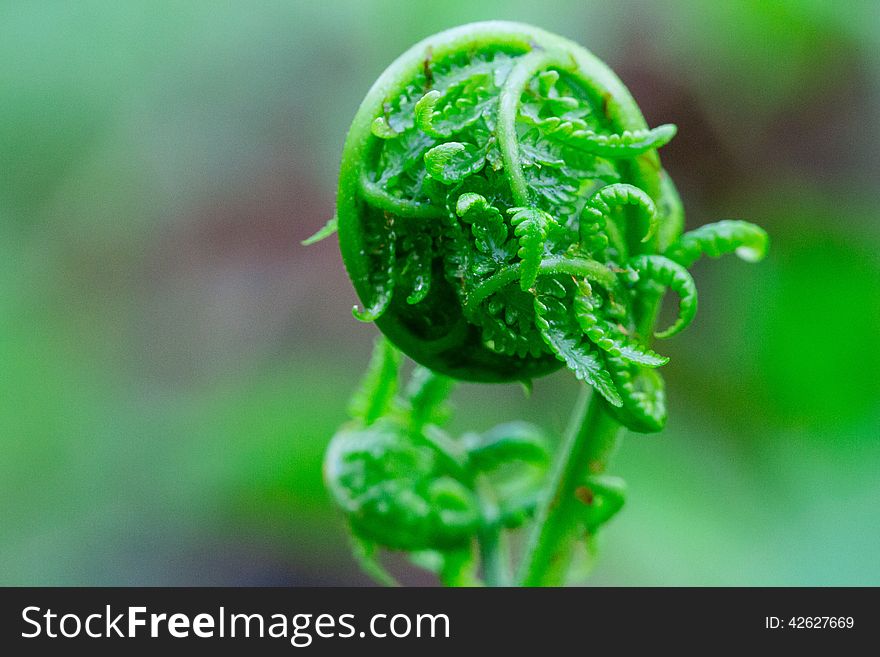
502, 212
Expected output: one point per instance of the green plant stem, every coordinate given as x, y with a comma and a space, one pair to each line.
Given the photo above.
590, 442
494, 549
492, 556
508, 106
457, 572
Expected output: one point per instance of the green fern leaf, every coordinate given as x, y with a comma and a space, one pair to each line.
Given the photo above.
418, 248
538, 148
561, 335
444, 114
454, 161
604, 335
643, 392
382, 129
627, 144
488, 228
531, 227
382, 276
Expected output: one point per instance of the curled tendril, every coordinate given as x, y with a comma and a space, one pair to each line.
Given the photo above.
747, 240
664, 271
597, 215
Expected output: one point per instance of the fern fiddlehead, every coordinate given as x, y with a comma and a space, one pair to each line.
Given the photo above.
405, 484
502, 212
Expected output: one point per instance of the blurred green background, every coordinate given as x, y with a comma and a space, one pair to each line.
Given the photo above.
174, 363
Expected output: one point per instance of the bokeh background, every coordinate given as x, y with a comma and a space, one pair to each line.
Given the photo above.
173, 362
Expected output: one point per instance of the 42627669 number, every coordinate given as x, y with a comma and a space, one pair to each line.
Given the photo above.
809, 622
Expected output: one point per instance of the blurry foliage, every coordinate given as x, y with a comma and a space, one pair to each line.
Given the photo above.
823, 299
174, 363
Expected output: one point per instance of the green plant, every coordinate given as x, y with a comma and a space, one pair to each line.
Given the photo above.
502, 212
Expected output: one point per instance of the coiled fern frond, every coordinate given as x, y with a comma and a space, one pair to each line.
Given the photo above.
502, 212
491, 157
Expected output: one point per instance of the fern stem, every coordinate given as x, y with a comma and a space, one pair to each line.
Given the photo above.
494, 549
582, 267
590, 442
508, 107
492, 555
399, 206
